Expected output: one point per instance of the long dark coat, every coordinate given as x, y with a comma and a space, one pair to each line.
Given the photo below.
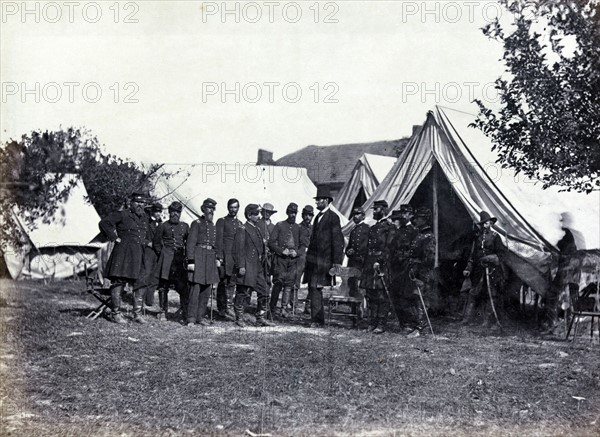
248, 253
126, 258
169, 243
201, 251
326, 248
226, 228
488, 243
378, 250
358, 242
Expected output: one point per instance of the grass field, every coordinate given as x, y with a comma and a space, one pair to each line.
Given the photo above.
65, 375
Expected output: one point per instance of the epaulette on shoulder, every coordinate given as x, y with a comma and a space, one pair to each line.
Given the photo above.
242, 226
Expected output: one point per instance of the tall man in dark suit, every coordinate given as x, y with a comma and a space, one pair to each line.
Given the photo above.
127, 229
249, 261
201, 253
226, 228
266, 226
169, 243
147, 280
326, 250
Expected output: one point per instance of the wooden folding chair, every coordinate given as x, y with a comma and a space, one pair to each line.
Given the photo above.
100, 293
585, 305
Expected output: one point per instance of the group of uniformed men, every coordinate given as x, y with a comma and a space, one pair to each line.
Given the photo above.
395, 256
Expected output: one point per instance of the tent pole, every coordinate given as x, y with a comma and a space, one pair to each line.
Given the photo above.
435, 214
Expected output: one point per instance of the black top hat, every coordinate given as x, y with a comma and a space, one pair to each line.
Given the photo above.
485, 216
324, 192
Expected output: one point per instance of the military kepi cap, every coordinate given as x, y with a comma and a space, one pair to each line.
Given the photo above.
308, 210
358, 210
423, 212
155, 207
209, 203
406, 208
176, 206
139, 197
380, 203
396, 214
251, 208
292, 207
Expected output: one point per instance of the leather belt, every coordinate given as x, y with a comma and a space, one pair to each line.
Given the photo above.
375, 252
205, 246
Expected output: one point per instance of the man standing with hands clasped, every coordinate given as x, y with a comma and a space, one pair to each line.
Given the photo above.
326, 250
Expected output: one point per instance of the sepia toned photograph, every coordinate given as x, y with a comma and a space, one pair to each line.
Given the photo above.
300, 218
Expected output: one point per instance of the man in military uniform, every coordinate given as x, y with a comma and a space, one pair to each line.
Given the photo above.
169, 243
421, 271
486, 271
266, 226
304, 231
127, 229
147, 280
226, 229
376, 268
356, 251
284, 244
202, 261
249, 262
325, 251
399, 255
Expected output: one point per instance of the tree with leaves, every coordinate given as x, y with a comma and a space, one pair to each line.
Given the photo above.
33, 182
548, 123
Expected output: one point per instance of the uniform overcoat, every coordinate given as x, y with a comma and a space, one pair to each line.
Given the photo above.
126, 258
201, 251
248, 253
226, 228
169, 244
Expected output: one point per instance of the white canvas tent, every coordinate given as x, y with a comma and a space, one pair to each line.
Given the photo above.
367, 174
61, 248
529, 217
249, 183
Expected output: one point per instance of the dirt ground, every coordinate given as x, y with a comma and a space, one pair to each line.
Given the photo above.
65, 375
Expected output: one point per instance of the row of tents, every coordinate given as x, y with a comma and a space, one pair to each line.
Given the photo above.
448, 166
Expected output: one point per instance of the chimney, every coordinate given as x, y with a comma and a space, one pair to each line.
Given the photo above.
264, 157
416, 129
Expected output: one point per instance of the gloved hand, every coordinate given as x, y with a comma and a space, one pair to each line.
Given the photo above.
466, 273
490, 260
286, 252
242, 271
190, 267
293, 253
218, 263
376, 266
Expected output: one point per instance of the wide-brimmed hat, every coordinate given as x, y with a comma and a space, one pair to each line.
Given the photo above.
324, 192
485, 216
269, 207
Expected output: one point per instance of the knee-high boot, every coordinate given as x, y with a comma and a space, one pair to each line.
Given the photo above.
115, 294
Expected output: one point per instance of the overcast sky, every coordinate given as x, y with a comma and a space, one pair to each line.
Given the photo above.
303, 73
